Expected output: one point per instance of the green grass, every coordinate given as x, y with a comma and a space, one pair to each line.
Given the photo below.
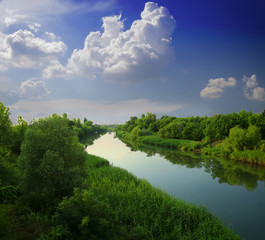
138, 205
177, 144
215, 151
95, 162
250, 156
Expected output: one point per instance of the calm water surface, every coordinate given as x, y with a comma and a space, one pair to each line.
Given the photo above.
231, 191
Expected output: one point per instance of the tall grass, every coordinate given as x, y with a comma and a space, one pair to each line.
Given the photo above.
250, 156
177, 144
136, 204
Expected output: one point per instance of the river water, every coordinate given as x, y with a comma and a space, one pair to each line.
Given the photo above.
232, 191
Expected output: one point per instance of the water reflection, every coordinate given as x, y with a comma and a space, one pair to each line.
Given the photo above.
225, 170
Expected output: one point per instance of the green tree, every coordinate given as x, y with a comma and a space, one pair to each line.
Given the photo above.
51, 162
5, 126
253, 137
241, 139
237, 138
18, 132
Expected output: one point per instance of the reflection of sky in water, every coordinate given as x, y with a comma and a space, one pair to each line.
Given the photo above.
243, 210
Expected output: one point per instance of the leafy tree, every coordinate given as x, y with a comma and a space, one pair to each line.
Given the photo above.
241, 139
18, 132
253, 137
192, 131
237, 138
51, 162
5, 126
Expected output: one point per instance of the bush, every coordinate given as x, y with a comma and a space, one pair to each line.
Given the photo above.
84, 215
240, 139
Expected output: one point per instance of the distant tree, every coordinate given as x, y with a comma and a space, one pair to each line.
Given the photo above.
241, 139
253, 137
18, 132
237, 138
5, 126
263, 113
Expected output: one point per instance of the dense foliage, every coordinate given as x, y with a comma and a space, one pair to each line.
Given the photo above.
205, 128
242, 132
86, 130
51, 189
52, 159
120, 206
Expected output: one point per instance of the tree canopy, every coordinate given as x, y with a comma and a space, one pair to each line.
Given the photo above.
52, 159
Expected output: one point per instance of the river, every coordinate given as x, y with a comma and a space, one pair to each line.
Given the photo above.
231, 191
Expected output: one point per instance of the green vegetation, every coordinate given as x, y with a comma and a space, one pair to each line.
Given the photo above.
52, 159
238, 136
117, 205
154, 140
51, 189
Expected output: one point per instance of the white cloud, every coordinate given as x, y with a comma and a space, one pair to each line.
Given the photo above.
252, 90
17, 11
22, 49
51, 36
123, 56
214, 87
57, 71
35, 27
11, 17
100, 112
211, 92
33, 89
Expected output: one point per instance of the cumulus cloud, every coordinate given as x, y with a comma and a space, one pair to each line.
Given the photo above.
100, 112
215, 87
31, 89
115, 55
22, 49
252, 90
57, 71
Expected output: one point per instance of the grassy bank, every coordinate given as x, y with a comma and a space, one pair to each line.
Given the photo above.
141, 211
256, 157
177, 144
113, 204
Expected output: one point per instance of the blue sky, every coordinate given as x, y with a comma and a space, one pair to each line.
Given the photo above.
111, 59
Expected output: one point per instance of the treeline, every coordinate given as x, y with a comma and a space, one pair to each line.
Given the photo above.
86, 129
207, 129
232, 135
51, 189
11, 136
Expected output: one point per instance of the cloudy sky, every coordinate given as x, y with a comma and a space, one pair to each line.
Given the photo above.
107, 60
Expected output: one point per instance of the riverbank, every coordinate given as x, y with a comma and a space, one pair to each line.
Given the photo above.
256, 157
144, 212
